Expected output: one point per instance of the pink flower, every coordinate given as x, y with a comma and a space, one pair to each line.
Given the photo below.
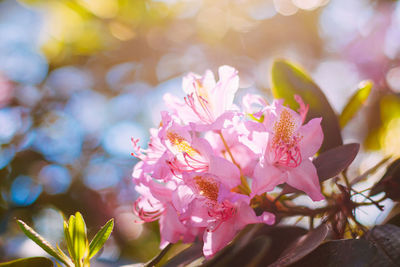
253, 105
222, 213
290, 145
237, 139
240, 215
207, 103
193, 175
189, 153
153, 159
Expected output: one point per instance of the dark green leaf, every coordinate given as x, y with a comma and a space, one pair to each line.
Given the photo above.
355, 102
343, 253
332, 162
288, 80
390, 182
186, 256
379, 247
387, 239
28, 262
43, 243
159, 257
260, 247
305, 245
100, 238
250, 255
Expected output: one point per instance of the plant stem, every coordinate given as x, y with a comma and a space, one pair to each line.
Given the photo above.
244, 186
228, 150
346, 180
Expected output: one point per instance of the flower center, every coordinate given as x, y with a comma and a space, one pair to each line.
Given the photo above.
284, 129
219, 211
207, 187
285, 142
181, 144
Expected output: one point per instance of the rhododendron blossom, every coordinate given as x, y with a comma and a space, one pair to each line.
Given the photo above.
207, 103
287, 153
196, 174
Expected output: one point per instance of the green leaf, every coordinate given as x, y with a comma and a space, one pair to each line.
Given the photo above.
69, 240
77, 230
158, 257
332, 162
288, 80
304, 246
355, 102
62, 253
387, 239
43, 243
186, 256
390, 182
100, 238
29, 262
344, 253
260, 246
71, 233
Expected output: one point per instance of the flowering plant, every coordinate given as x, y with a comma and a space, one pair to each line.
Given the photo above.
213, 167
225, 182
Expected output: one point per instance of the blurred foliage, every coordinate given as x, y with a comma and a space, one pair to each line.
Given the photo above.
355, 103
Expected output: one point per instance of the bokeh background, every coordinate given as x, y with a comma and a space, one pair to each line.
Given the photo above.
79, 78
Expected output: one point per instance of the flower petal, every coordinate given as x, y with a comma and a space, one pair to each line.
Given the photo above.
224, 92
218, 239
305, 178
225, 170
171, 229
312, 137
246, 215
266, 177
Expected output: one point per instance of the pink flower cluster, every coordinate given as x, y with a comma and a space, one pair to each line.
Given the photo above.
208, 158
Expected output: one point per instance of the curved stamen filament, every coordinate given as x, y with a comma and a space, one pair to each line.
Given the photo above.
146, 216
221, 212
206, 114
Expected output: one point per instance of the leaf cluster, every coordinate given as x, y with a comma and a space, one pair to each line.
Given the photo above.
79, 249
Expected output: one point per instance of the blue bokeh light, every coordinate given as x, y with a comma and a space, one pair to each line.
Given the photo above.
55, 179
89, 108
24, 191
6, 155
67, 80
101, 174
122, 74
117, 139
125, 107
10, 122
23, 64
59, 138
